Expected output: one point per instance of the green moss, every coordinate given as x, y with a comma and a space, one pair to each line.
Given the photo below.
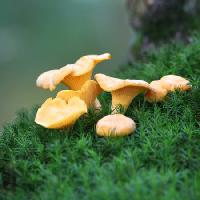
160, 161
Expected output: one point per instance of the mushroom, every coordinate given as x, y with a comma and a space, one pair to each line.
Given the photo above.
72, 75
57, 113
50, 79
123, 91
157, 92
88, 93
115, 125
160, 88
173, 82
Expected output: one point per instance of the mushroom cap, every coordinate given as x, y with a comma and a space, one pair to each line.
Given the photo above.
50, 79
88, 93
173, 82
86, 64
72, 75
110, 84
115, 125
57, 113
157, 92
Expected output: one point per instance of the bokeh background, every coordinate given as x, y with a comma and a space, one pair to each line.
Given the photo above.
39, 35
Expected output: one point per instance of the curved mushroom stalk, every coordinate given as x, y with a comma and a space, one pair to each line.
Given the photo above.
57, 113
160, 88
123, 91
88, 93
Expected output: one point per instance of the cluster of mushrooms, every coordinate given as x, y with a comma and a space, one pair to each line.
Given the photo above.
64, 110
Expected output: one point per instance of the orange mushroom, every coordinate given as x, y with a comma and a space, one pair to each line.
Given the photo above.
115, 125
157, 92
160, 88
57, 113
50, 79
123, 91
173, 82
88, 93
72, 75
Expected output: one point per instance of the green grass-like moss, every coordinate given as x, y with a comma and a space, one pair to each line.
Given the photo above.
161, 160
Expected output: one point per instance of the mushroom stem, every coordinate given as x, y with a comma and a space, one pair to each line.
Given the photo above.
124, 97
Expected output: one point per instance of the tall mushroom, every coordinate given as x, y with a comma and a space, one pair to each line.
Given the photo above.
123, 91
72, 75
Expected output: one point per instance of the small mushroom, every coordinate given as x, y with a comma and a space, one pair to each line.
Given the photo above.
123, 91
72, 75
88, 93
160, 88
156, 93
115, 125
173, 82
57, 113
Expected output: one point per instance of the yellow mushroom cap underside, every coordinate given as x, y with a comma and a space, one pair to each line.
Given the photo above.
57, 113
157, 92
173, 82
115, 125
110, 84
88, 93
72, 75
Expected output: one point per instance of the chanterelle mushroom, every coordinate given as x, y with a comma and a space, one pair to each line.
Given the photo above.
57, 113
88, 93
173, 82
123, 91
50, 79
157, 92
72, 75
115, 125
160, 88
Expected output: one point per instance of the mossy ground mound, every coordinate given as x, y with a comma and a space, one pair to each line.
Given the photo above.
160, 161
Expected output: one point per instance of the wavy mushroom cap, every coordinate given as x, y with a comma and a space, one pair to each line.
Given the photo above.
86, 64
50, 79
109, 84
72, 75
173, 82
82, 70
57, 113
115, 125
123, 91
157, 92
88, 93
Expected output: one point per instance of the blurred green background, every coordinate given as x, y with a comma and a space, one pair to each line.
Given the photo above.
39, 35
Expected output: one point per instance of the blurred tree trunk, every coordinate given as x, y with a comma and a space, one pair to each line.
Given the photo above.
156, 21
